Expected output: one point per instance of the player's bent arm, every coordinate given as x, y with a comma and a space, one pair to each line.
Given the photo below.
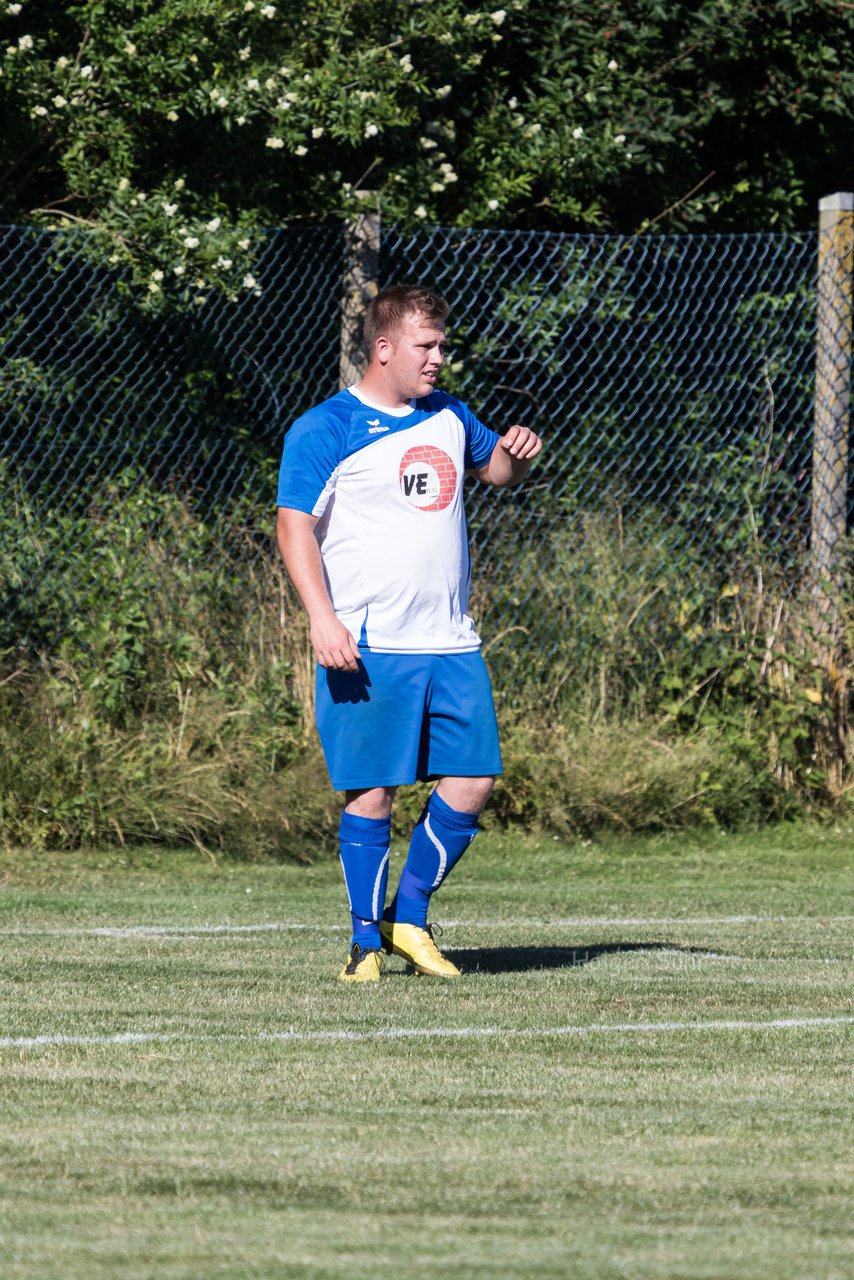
333, 645
510, 459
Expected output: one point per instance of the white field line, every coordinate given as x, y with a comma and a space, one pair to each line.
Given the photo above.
565, 922
426, 1033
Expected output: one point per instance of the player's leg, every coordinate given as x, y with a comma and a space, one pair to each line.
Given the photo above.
370, 726
444, 831
364, 836
463, 748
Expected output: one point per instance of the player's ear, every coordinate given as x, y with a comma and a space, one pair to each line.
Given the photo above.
383, 349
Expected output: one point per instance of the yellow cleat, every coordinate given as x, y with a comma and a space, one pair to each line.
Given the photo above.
362, 966
417, 946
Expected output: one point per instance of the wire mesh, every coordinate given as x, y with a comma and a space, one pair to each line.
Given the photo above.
672, 378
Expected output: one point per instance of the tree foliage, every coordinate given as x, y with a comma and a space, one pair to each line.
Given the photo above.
175, 127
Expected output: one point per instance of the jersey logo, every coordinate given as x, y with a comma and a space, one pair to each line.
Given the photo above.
374, 427
428, 478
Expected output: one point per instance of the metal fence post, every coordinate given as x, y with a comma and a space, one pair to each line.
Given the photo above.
359, 286
832, 420
832, 388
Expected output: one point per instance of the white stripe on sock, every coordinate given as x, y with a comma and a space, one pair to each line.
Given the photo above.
443, 852
377, 886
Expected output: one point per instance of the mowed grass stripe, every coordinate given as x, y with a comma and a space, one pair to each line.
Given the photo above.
567, 922
415, 1033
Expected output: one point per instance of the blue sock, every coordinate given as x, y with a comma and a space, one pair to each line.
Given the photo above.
440, 839
364, 844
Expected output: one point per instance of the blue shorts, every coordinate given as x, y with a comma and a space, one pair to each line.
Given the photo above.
406, 717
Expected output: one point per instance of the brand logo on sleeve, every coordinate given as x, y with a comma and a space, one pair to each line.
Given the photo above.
428, 478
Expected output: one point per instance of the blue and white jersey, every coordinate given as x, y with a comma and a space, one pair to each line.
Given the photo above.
387, 488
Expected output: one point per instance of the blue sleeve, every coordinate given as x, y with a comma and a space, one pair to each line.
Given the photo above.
480, 440
313, 448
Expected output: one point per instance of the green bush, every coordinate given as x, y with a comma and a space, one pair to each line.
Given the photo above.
171, 697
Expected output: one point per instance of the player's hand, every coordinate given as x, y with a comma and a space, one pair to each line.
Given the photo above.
521, 443
334, 646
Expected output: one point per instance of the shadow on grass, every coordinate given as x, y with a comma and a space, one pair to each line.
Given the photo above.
522, 959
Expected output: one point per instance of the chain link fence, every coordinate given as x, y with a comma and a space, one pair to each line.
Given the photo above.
674, 380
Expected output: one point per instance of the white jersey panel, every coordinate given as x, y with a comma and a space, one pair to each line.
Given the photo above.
393, 539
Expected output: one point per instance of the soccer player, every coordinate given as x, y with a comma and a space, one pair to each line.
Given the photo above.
372, 531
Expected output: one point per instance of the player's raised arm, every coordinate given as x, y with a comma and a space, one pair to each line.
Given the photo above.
333, 645
511, 457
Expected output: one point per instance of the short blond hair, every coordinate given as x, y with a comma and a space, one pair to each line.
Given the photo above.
389, 310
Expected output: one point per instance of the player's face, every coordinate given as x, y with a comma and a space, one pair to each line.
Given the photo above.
416, 358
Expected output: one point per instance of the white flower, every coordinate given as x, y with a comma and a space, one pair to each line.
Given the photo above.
420, 211
153, 287
213, 225
192, 242
269, 11
249, 282
124, 183
180, 184
405, 63
498, 16
179, 270
221, 101
240, 120
578, 132
275, 144
130, 49
62, 63
253, 84
270, 84
443, 91
40, 111
225, 263
245, 54
13, 9
534, 128
172, 116
301, 150
492, 204
170, 210
157, 275
243, 244
87, 72
59, 101
248, 7
371, 130
471, 19
428, 143
612, 65
437, 186
25, 42
620, 139
512, 103
317, 131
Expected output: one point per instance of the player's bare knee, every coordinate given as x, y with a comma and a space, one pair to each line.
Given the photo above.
466, 795
373, 802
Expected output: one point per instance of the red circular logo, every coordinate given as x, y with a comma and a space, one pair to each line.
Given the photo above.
428, 478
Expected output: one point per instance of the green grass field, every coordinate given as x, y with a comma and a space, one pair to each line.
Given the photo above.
645, 1070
